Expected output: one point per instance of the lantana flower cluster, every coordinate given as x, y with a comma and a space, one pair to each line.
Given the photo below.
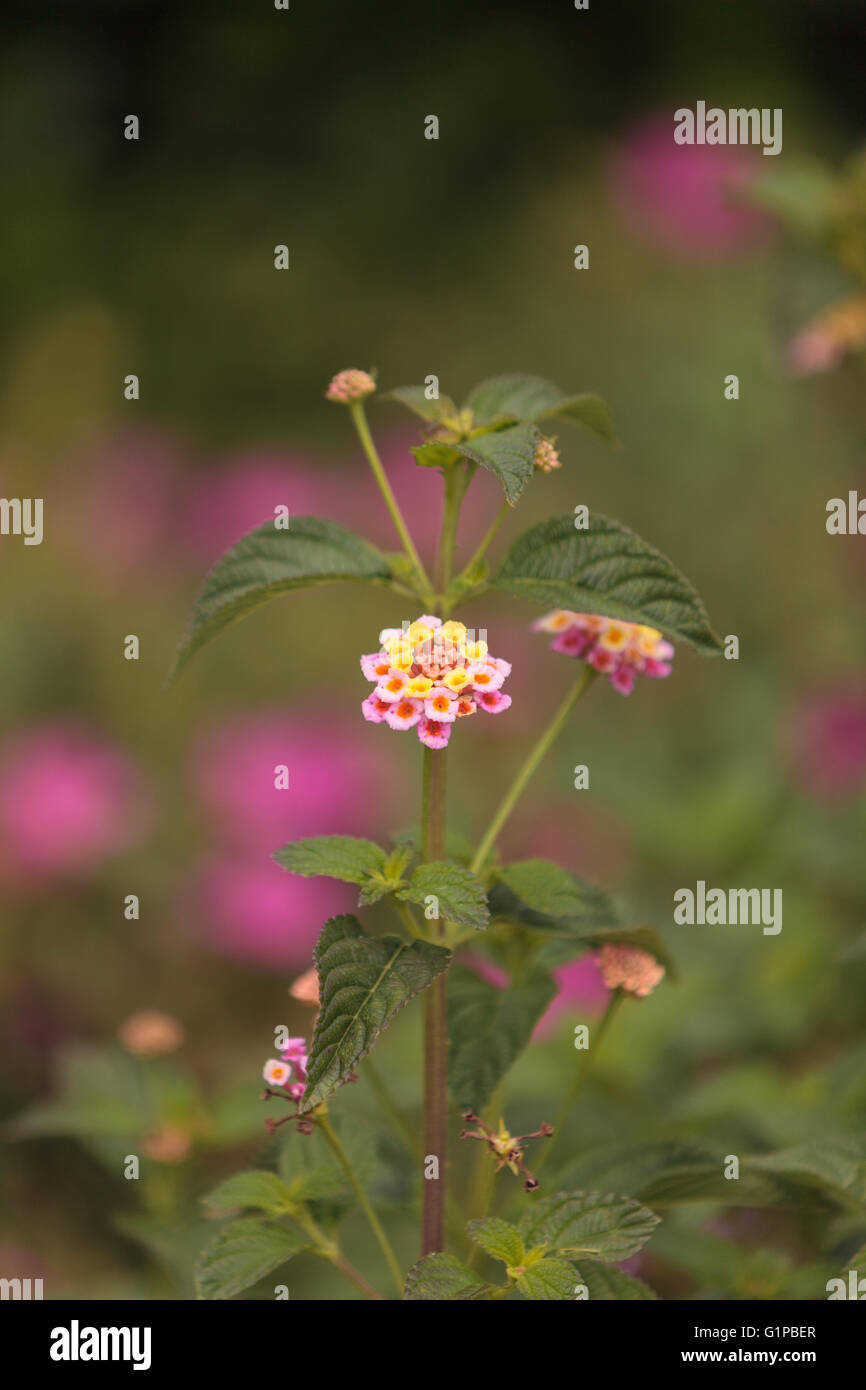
288, 1073
620, 650
428, 675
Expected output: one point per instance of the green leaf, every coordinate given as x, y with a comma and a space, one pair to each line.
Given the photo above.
606, 569
499, 1238
344, 857
509, 453
598, 1224
552, 893
836, 1162
267, 563
363, 982
609, 1283
435, 455
586, 409
667, 1172
461, 896
255, 1188
243, 1253
488, 1028
547, 1280
415, 399
442, 1278
517, 396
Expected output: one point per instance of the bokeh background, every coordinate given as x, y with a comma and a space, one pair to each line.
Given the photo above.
454, 257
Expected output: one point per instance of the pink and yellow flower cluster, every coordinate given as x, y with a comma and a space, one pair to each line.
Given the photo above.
288, 1073
622, 651
428, 675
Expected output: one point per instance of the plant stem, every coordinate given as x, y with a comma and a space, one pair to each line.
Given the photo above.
364, 1201
454, 488
359, 419
328, 1250
580, 1076
545, 742
435, 1025
340, 1262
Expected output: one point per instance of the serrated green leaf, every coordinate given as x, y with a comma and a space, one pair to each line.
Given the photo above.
513, 396
499, 1238
254, 1188
334, 856
509, 453
267, 563
606, 1282
601, 1225
243, 1253
835, 1162
488, 1028
363, 982
548, 1280
667, 1172
442, 1278
606, 569
461, 896
551, 892
517, 396
415, 399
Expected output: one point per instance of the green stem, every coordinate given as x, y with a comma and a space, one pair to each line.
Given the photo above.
435, 1022
538, 752
359, 419
454, 489
373, 1220
580, 1076
328, 1250
340, 1262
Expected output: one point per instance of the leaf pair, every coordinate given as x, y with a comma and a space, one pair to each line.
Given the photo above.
458, 895
605, 568
538, 1252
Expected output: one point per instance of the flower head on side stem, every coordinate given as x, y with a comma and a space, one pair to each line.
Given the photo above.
620, 650
350, 385
428, 675
629, 969
508, 1148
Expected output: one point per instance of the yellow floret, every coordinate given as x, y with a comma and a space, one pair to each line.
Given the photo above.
456, 679
616, 636
418, 686
476, 651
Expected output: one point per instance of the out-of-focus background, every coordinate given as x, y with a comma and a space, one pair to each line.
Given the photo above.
454, 257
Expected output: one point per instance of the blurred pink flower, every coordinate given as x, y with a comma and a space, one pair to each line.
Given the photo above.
580, 990
128, 511
828, 742
338, 783
69, 799
251, 910
683, 198
232, 499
